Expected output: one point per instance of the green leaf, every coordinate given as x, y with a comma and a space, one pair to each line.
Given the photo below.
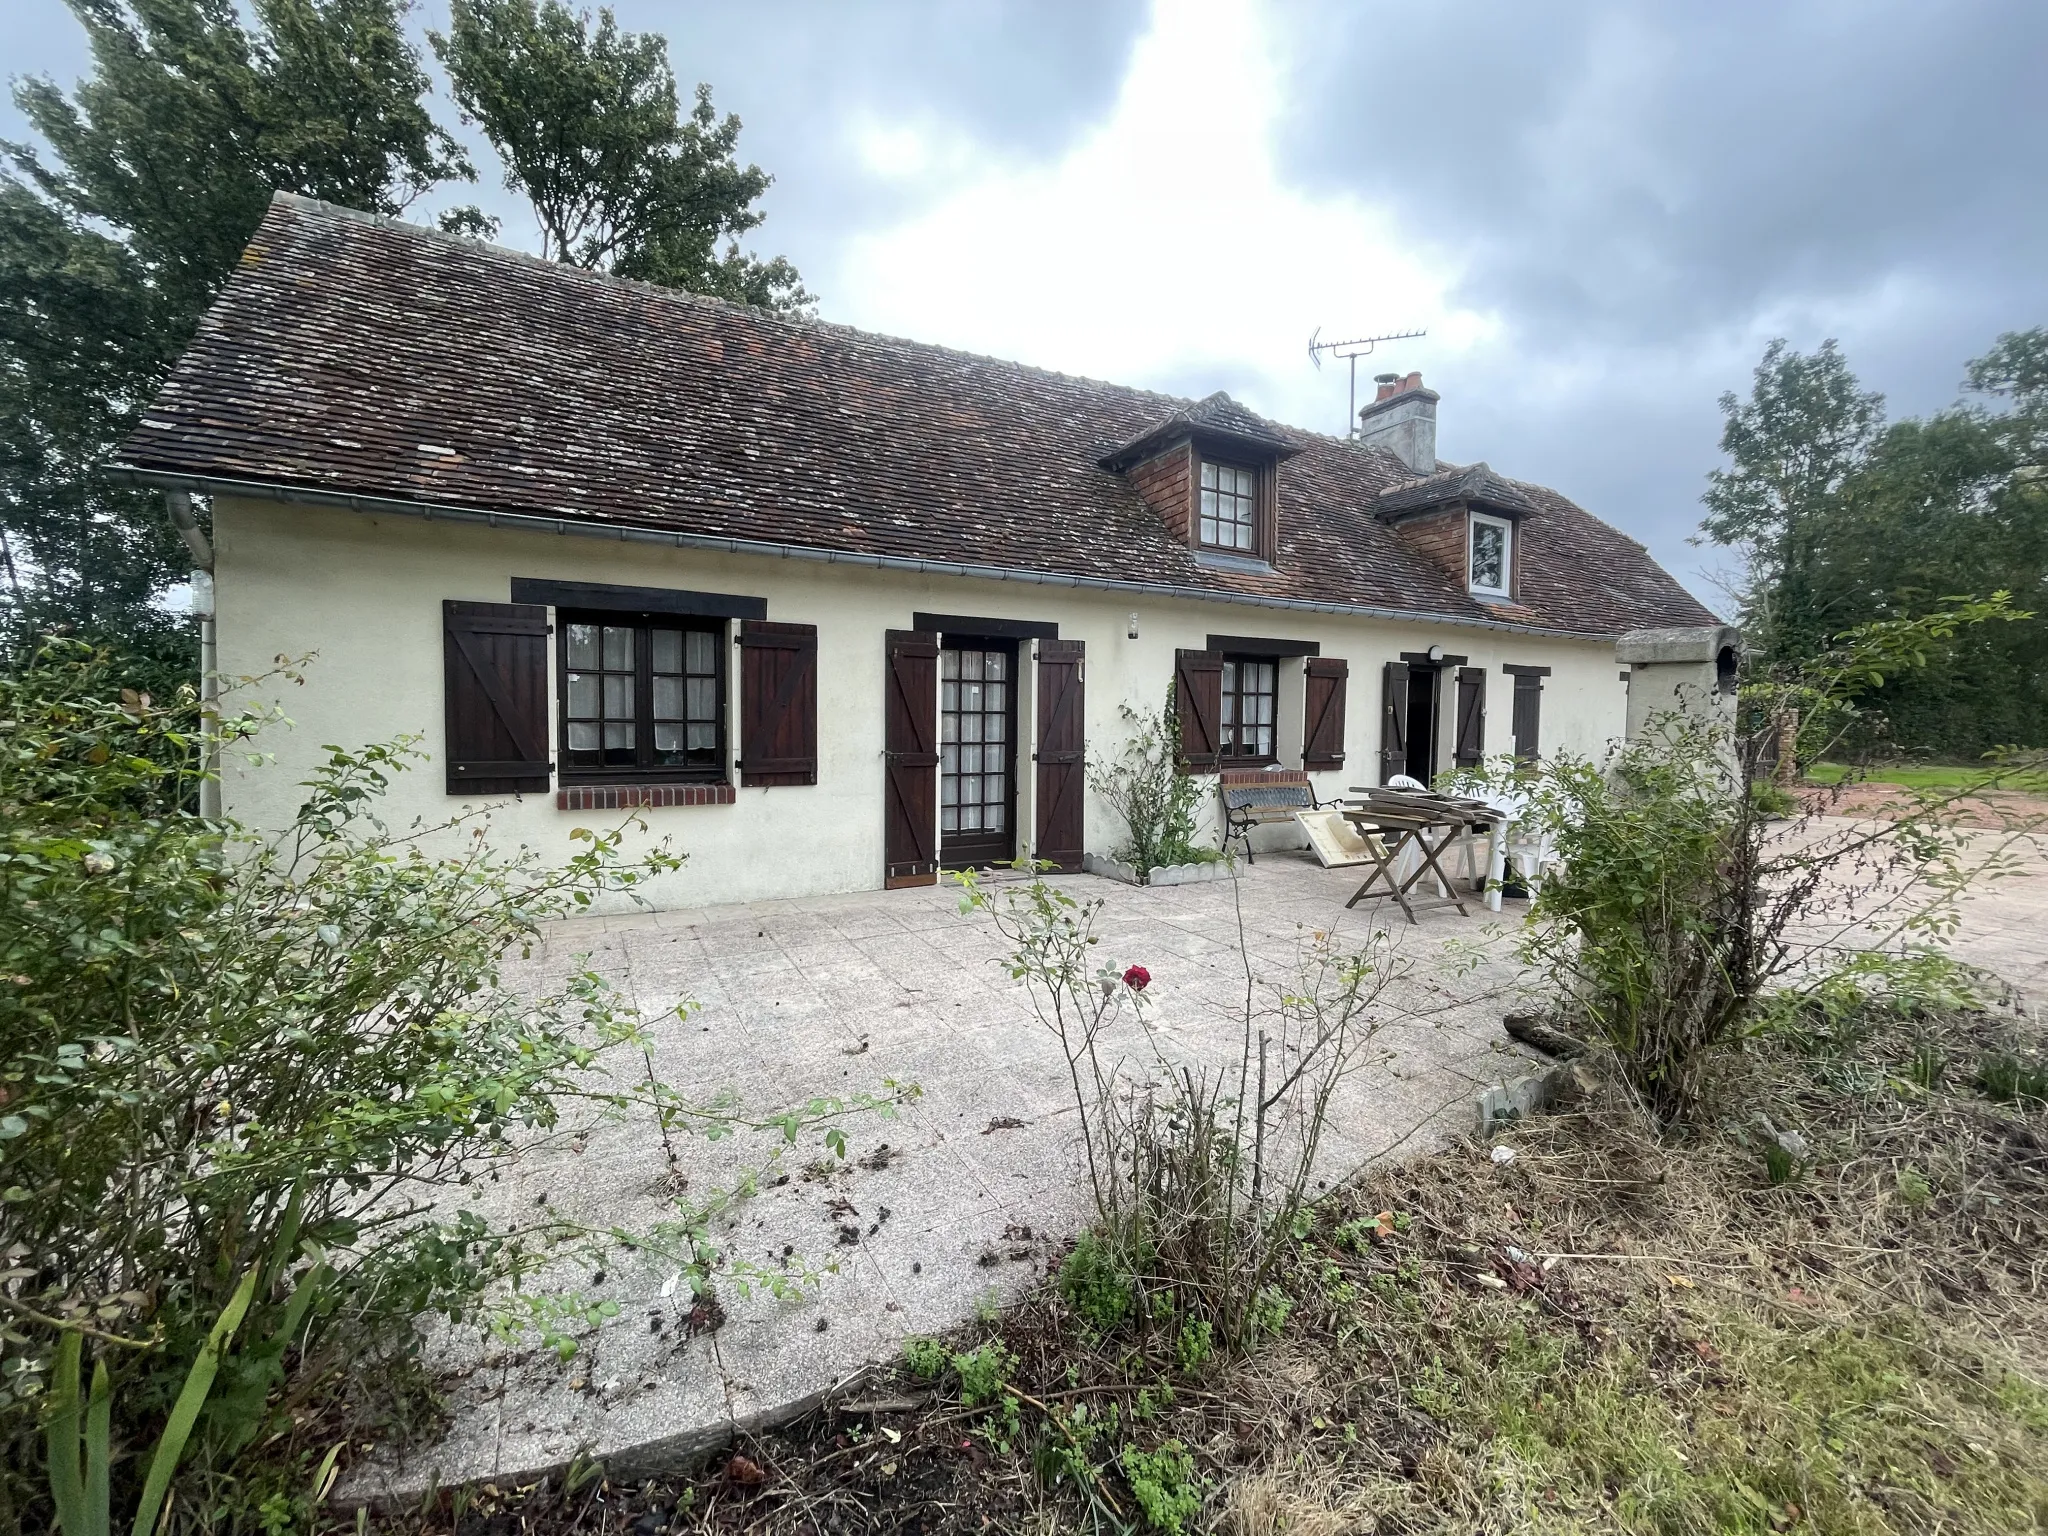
170, 1446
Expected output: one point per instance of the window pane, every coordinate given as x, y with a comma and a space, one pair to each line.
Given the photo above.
996, 696
949, 789
1263, 742
1229, 677
582, 738
667, 650
970, 818
949, 693
996, 727
703, 738
668, 699
970, 759
582, 645
582, 695
949, 726
668, 741
994, 666
1229, 708
992, 786
618, 738
995, 817
970, 664
970, 727
970, 788
1209, 476
1209, 504
1210, 533
618, 697
949, 820
703, 698
618, 649
703, 651
1241, 536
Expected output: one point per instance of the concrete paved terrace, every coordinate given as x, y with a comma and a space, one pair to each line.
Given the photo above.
970, 1191
969, 1194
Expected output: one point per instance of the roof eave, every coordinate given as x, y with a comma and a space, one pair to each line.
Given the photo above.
278, 490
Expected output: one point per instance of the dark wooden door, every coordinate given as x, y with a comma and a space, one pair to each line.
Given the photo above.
1061, 756
911, 758
977, 753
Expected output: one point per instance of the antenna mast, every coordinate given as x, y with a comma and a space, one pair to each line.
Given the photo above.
1352, 351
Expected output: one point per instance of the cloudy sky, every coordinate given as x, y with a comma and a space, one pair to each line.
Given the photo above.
1600, 212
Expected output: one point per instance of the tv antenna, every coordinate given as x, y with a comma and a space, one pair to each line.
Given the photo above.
1352, 351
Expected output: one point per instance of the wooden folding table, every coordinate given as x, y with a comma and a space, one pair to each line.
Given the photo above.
1389, 831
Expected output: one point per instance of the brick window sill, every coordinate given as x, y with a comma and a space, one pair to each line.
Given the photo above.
633, 797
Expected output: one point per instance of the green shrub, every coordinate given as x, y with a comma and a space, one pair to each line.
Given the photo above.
1197, 1342
926, 1359
1164, 1484
1157, 801
1769, 799
242, 1076
1097, 1283
983, 1373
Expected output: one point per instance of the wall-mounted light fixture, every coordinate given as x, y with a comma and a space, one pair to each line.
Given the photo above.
1132, 632
1436, 653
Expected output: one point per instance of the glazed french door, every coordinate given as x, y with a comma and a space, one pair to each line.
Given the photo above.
977, 753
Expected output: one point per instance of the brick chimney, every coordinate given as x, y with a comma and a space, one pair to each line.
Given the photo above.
1402, 420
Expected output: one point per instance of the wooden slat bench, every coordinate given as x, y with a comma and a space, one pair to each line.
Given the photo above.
1257, 797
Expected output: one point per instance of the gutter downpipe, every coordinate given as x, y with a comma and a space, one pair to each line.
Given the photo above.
179, 505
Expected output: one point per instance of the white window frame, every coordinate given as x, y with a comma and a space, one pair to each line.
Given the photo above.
1507, 554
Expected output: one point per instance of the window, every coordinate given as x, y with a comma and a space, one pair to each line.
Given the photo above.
642, 699
1249, 690
1490, 554
975, 711
1230, 502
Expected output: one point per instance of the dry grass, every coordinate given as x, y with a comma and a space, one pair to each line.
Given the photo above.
1609, 1333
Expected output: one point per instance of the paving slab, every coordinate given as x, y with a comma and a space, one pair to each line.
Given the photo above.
982, 1181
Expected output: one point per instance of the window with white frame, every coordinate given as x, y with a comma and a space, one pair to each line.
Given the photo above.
1489, 554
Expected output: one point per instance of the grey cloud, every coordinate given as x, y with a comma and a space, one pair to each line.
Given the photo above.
1642, 193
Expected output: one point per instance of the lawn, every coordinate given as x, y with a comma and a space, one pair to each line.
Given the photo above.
1948, 776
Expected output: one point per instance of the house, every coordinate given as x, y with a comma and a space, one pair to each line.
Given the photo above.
833, 610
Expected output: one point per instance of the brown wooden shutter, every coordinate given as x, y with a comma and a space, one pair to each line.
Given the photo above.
1394, 720
1062, 745
1198, 705
1528, 715
1471, 746
778, 703
1323, 712
910, 817
495, 669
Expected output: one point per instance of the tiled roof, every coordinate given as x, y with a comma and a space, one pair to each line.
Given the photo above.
358, 356
1473, 483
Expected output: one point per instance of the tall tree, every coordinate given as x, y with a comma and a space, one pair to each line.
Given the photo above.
119, 231
1792, 445
587, 121
1849, 521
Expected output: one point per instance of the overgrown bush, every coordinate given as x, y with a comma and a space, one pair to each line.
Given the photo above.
1157, 801
241, 1078
1200, 1177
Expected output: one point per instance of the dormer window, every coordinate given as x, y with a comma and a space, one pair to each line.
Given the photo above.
1489, 554
1230, 507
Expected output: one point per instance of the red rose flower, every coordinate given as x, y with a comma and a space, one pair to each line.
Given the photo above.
1137, 978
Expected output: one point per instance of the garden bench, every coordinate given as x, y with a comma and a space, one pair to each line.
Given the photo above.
1257, 797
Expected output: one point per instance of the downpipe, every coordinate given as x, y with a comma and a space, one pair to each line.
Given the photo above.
179, 504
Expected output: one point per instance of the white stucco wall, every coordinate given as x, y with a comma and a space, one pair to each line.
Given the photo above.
361, 595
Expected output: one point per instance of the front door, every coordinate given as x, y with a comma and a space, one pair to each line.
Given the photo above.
977, 753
